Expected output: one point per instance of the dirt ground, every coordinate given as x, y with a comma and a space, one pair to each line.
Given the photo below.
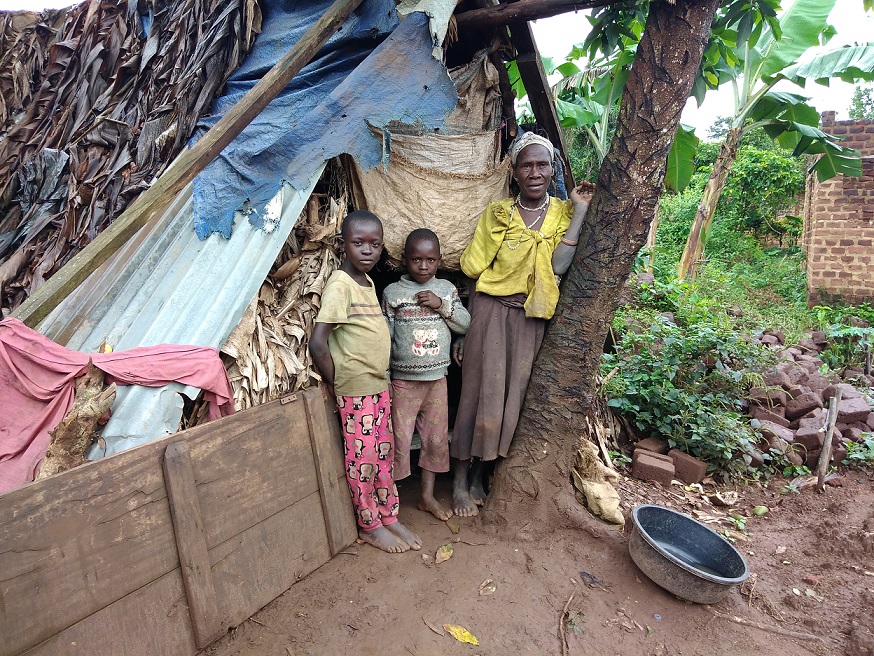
811, 590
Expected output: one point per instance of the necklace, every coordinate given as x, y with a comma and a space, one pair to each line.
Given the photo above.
532, 209
527, 225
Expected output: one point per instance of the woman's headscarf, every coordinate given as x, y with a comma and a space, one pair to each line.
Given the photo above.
527, 139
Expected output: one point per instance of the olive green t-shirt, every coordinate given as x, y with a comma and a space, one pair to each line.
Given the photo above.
360, 343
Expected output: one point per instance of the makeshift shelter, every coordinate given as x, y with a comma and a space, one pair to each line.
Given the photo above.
86, 128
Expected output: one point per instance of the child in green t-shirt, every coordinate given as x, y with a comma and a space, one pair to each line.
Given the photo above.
350, 346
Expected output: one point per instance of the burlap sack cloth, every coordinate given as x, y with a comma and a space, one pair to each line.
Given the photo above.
440, 181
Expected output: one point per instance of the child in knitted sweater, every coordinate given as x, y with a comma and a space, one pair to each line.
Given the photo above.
421, 310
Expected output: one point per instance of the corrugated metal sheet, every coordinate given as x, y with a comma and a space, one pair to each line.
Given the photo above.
167, 286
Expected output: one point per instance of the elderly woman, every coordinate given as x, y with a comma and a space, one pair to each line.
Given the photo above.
518, 246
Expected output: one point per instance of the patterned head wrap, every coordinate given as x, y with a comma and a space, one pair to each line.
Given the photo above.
527, 139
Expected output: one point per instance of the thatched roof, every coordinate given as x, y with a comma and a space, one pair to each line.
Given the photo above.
97, 100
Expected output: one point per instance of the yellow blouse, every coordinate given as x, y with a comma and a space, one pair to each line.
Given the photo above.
507, 258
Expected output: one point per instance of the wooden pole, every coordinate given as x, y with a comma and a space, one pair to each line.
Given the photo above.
523, 10
825, 454
159, 196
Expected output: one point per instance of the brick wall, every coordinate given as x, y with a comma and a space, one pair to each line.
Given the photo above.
838, 232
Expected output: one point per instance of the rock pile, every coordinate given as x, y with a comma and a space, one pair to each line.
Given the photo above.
790, 411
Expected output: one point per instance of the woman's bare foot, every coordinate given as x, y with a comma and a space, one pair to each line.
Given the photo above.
462, 504
383, 539
477, 492
405, 535
431, 505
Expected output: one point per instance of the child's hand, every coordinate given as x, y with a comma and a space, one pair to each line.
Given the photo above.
458, 351
429, 299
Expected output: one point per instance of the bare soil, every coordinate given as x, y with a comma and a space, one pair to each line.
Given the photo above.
811, 590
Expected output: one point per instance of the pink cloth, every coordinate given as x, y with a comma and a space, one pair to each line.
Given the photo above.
37, 388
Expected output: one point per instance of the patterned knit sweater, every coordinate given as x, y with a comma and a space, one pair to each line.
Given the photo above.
420, 336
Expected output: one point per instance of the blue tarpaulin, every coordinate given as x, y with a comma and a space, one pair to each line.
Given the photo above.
373, 71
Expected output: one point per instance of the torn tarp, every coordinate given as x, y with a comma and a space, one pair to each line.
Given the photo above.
360, 76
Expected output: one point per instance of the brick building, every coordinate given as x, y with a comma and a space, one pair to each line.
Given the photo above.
839, 223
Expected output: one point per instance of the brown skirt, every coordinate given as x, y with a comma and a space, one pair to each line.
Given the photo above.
499, 351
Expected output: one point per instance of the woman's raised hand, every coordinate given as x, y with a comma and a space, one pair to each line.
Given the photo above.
582, 193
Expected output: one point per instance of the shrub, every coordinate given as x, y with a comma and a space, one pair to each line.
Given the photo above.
686, 384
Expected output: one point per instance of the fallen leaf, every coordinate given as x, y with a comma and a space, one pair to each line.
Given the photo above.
444, 553
487, 588
796, 592
779, 550
439, 632
758, 511
461, 634
454, 523
428, 559
727, 498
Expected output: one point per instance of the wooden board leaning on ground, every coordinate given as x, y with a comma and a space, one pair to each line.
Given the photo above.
162, 548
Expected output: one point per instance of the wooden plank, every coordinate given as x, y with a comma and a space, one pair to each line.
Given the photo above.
252, 569
62, 539
151, 620
501, 14
191, 544
336, 503
159, 196
539, 94
258, 464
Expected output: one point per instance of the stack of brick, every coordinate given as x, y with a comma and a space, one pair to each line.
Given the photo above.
654, 461
791, 408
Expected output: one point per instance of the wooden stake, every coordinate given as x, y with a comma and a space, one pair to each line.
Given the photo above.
825, 454
159, 196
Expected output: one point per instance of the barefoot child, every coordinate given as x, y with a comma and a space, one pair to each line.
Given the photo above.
421, 311
350, 346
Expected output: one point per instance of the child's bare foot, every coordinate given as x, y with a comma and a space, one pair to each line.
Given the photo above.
405, 535
383, 539
431, 505
477, 492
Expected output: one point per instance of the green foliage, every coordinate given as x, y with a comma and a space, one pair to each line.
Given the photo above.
687, 384
849, 332
862, 104
861, 454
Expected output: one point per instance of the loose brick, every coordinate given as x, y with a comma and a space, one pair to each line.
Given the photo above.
688, 468
801, 405
653, 444
777, 379
649, 468
847, 391
767, 397
852, 433
839, 454
775, 415
852, 410
769, 429
811, 458
870, 421
809, 437
664, 457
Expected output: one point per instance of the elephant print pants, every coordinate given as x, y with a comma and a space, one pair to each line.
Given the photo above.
369, 443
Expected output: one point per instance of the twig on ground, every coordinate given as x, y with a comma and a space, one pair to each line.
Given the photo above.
771, 629
260, 623
561, 625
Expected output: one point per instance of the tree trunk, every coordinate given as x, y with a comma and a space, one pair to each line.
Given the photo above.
700, 230
532, 488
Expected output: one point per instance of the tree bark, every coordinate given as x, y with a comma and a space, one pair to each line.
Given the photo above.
700, 230
531, 488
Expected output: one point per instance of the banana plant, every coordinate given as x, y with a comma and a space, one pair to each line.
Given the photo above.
753, 48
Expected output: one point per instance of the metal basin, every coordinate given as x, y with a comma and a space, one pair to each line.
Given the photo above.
684, 556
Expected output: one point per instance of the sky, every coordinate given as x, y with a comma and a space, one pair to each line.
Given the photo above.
555, 37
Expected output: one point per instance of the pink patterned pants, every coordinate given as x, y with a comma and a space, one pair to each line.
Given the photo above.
369, 443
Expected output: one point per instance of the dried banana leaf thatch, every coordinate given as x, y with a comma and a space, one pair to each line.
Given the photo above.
270, 344
97, 100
